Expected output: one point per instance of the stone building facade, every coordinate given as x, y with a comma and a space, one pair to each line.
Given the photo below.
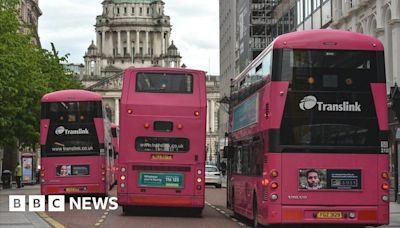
213, 105
381, 19
29, 13
129, 33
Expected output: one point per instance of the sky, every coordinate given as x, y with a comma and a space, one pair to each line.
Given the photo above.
69, 24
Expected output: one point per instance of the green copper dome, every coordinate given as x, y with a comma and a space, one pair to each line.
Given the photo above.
134, 1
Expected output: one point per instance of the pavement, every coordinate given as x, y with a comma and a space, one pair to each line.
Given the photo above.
21, 219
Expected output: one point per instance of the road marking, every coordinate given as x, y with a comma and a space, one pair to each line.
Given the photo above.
97, 224
49, 220
227, 215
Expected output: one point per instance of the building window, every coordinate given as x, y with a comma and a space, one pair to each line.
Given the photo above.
125, 10
140, 11
125, 51
141, 51
117, 10
148, 11
133, 10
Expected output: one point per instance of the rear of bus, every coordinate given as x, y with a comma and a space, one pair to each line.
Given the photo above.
330, 148
72, 144
162, 138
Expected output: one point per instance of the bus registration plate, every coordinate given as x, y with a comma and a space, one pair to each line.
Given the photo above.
329, 215
72, 189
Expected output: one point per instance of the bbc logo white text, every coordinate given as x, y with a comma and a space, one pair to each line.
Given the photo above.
37, 203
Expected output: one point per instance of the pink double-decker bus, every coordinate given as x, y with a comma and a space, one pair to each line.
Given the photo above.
308, 131
162, 139
75, 139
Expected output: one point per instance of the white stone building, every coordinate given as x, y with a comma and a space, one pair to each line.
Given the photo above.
213, 105
129, 33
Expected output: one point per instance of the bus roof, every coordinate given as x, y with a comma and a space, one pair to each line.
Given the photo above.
71, 95
328, 39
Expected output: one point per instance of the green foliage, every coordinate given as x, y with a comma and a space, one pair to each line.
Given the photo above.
26, 74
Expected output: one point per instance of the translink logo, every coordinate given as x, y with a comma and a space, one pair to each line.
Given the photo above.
309, 102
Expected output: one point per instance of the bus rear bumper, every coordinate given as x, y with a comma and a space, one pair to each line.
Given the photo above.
161, 200
371, 215
73, 189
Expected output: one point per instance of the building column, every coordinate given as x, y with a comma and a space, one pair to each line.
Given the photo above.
119, 43
166, 41
162, 42
116, 107
146, 44
128, 41
208, 117
137, 48
212, 116
103, 42
98, 42
111, 43
396, 49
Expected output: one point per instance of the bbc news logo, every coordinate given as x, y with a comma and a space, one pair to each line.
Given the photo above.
37, 203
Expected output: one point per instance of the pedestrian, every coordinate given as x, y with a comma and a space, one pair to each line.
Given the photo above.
18, 174
223, 168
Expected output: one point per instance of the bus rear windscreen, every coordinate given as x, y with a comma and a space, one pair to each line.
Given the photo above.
72, 130
164, 83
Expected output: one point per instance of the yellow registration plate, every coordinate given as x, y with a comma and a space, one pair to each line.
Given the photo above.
329, 215
72, 189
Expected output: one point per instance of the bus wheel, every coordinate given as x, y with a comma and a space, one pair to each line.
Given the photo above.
196, 212
125, 210
235, 214
255, 214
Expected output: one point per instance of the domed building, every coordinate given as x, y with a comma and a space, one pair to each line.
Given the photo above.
129, 33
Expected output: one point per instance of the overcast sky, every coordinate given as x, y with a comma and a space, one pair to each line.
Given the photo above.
69, 24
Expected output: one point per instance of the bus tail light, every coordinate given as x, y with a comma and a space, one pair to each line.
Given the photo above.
385, 186
146, 125
199, 180
385, 175
385, 198
274, 185
130, 111
123, 177
274, 173
179, 126
199, 172
122, 185
123, 169
196, 113
265, 182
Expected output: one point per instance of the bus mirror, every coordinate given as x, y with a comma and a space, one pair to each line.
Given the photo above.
228, 152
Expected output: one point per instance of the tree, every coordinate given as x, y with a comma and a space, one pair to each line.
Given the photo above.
27, 72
